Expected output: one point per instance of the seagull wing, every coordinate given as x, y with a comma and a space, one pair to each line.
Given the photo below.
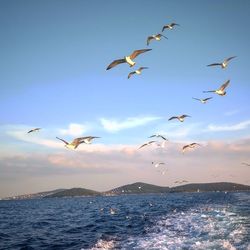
184, 147
143, 145
138, 52
173, 117
164, 138
115, 62
173, 24
230, 58
149, 39
196, 99
164, 27
223, 86
209, 91
62, 140
130, 74
183, 116
141, 68
206, 99
214, 64
160, 35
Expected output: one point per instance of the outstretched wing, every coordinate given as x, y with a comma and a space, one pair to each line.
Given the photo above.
141, 68
223, 86
183, 116
115, 62
196, 99
230, 58
130, 74
149, 39
165, 27
194, 144
173, 117
206, 99
62, 140
160, 35
173, 24
209, 91
138, 52
214, 64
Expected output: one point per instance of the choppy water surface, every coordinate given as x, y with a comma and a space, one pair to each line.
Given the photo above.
169, 221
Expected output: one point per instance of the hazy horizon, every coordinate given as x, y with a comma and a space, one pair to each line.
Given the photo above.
54, 56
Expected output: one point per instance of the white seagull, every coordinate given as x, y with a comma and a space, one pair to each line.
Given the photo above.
192, 145
128, 59
202, 100
221, 91
138, 71
246, 164
77, 141
33, 130
180, 118
158, 164
158, 135
155, 37
169, 26
222, 64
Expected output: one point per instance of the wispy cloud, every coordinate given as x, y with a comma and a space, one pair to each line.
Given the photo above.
234, 127
232, 112
113, 125
74, 129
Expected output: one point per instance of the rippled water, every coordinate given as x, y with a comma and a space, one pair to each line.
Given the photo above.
169, 221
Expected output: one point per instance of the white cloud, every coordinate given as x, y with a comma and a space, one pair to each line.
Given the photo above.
234, 127
113, 125
74, 129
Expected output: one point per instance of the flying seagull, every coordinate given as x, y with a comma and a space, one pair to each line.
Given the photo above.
180, 118
33, 130
223, 64
158, 135
169, 26
192, 145
128, 59
246, 164
221, 91
158, 164
146, 144
138, 71
203, 100
77, 141
155, 37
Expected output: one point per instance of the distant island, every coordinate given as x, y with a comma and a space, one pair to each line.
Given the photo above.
136, 188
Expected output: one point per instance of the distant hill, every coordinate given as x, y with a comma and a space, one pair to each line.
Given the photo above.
206, 187
137, 188
73, 192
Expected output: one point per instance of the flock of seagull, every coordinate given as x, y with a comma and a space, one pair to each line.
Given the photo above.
129, 59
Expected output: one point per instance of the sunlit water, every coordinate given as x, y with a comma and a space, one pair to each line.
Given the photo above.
170, 221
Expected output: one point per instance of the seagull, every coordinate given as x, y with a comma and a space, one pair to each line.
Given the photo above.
221, 91
246, 164
192, 145
33, 130
138, 71
169, 26
202, 100
146, 144
128, 59
223, 64
180, 118
77, 141
112, 211
158, 135
158, 164
156, 37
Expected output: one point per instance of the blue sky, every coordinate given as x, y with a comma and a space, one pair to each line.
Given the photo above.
53, 63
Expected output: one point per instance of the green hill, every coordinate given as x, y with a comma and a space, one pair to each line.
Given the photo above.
206, 187
138, 188
73, 192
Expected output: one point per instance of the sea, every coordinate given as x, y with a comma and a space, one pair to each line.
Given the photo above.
211, 220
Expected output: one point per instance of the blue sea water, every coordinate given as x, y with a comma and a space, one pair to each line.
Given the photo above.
215, 220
